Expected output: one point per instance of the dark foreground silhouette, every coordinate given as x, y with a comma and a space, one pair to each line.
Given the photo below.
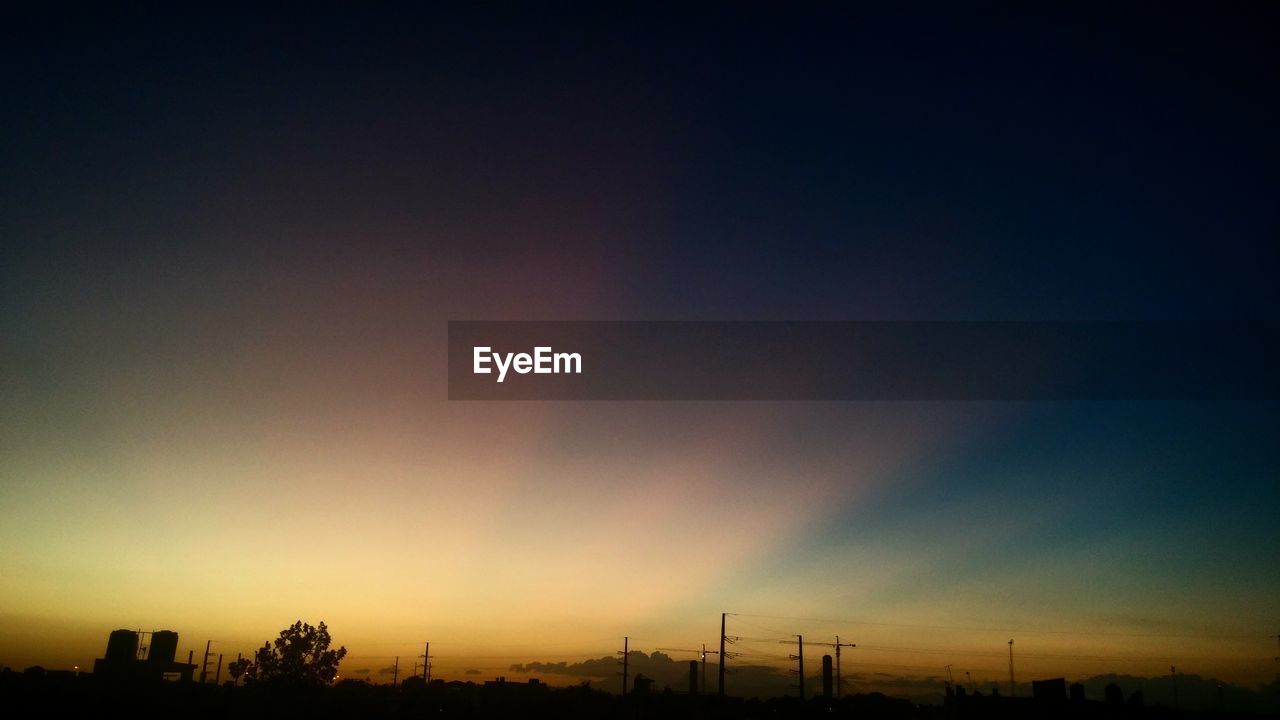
293, 676
64, 694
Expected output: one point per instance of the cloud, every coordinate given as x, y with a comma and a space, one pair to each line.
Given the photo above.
657, 665
881, 680
666, 671
472, 671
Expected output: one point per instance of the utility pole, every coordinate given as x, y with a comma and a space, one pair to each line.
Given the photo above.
1173, 675
426, 663
204, 666
800, 640
217, 679
704, 670
969, 678
720, 691
1013, 689
800, 657
702, 689
626, 650
395, 672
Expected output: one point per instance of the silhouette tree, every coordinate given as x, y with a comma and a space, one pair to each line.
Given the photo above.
300, 656
239, 667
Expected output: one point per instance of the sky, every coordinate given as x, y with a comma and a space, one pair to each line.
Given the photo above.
231, 241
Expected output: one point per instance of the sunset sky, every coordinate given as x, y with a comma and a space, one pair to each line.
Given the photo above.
230, 246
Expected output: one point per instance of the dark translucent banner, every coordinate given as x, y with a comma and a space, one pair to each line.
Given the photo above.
535, 360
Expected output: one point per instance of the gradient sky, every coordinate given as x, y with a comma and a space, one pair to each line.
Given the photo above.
230, 244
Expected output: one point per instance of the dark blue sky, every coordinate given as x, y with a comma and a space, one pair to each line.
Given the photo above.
927, 162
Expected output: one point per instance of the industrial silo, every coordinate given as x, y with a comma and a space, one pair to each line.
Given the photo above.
164, 646
122, 646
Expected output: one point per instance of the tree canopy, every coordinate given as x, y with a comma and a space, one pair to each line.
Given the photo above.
300, 656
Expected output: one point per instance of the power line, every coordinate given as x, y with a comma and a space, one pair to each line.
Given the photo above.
1023, 631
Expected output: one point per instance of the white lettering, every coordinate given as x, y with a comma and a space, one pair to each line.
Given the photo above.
542, 362
502, 366
572, 363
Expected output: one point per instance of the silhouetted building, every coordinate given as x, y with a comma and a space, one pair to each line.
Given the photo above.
693, 677
164, 647
641, 685
122, 647
1054, 690
1077, 693
120, 662
826, 677
1113, 694
501, 683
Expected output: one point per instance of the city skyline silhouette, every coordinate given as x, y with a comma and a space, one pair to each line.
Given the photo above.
141, 664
